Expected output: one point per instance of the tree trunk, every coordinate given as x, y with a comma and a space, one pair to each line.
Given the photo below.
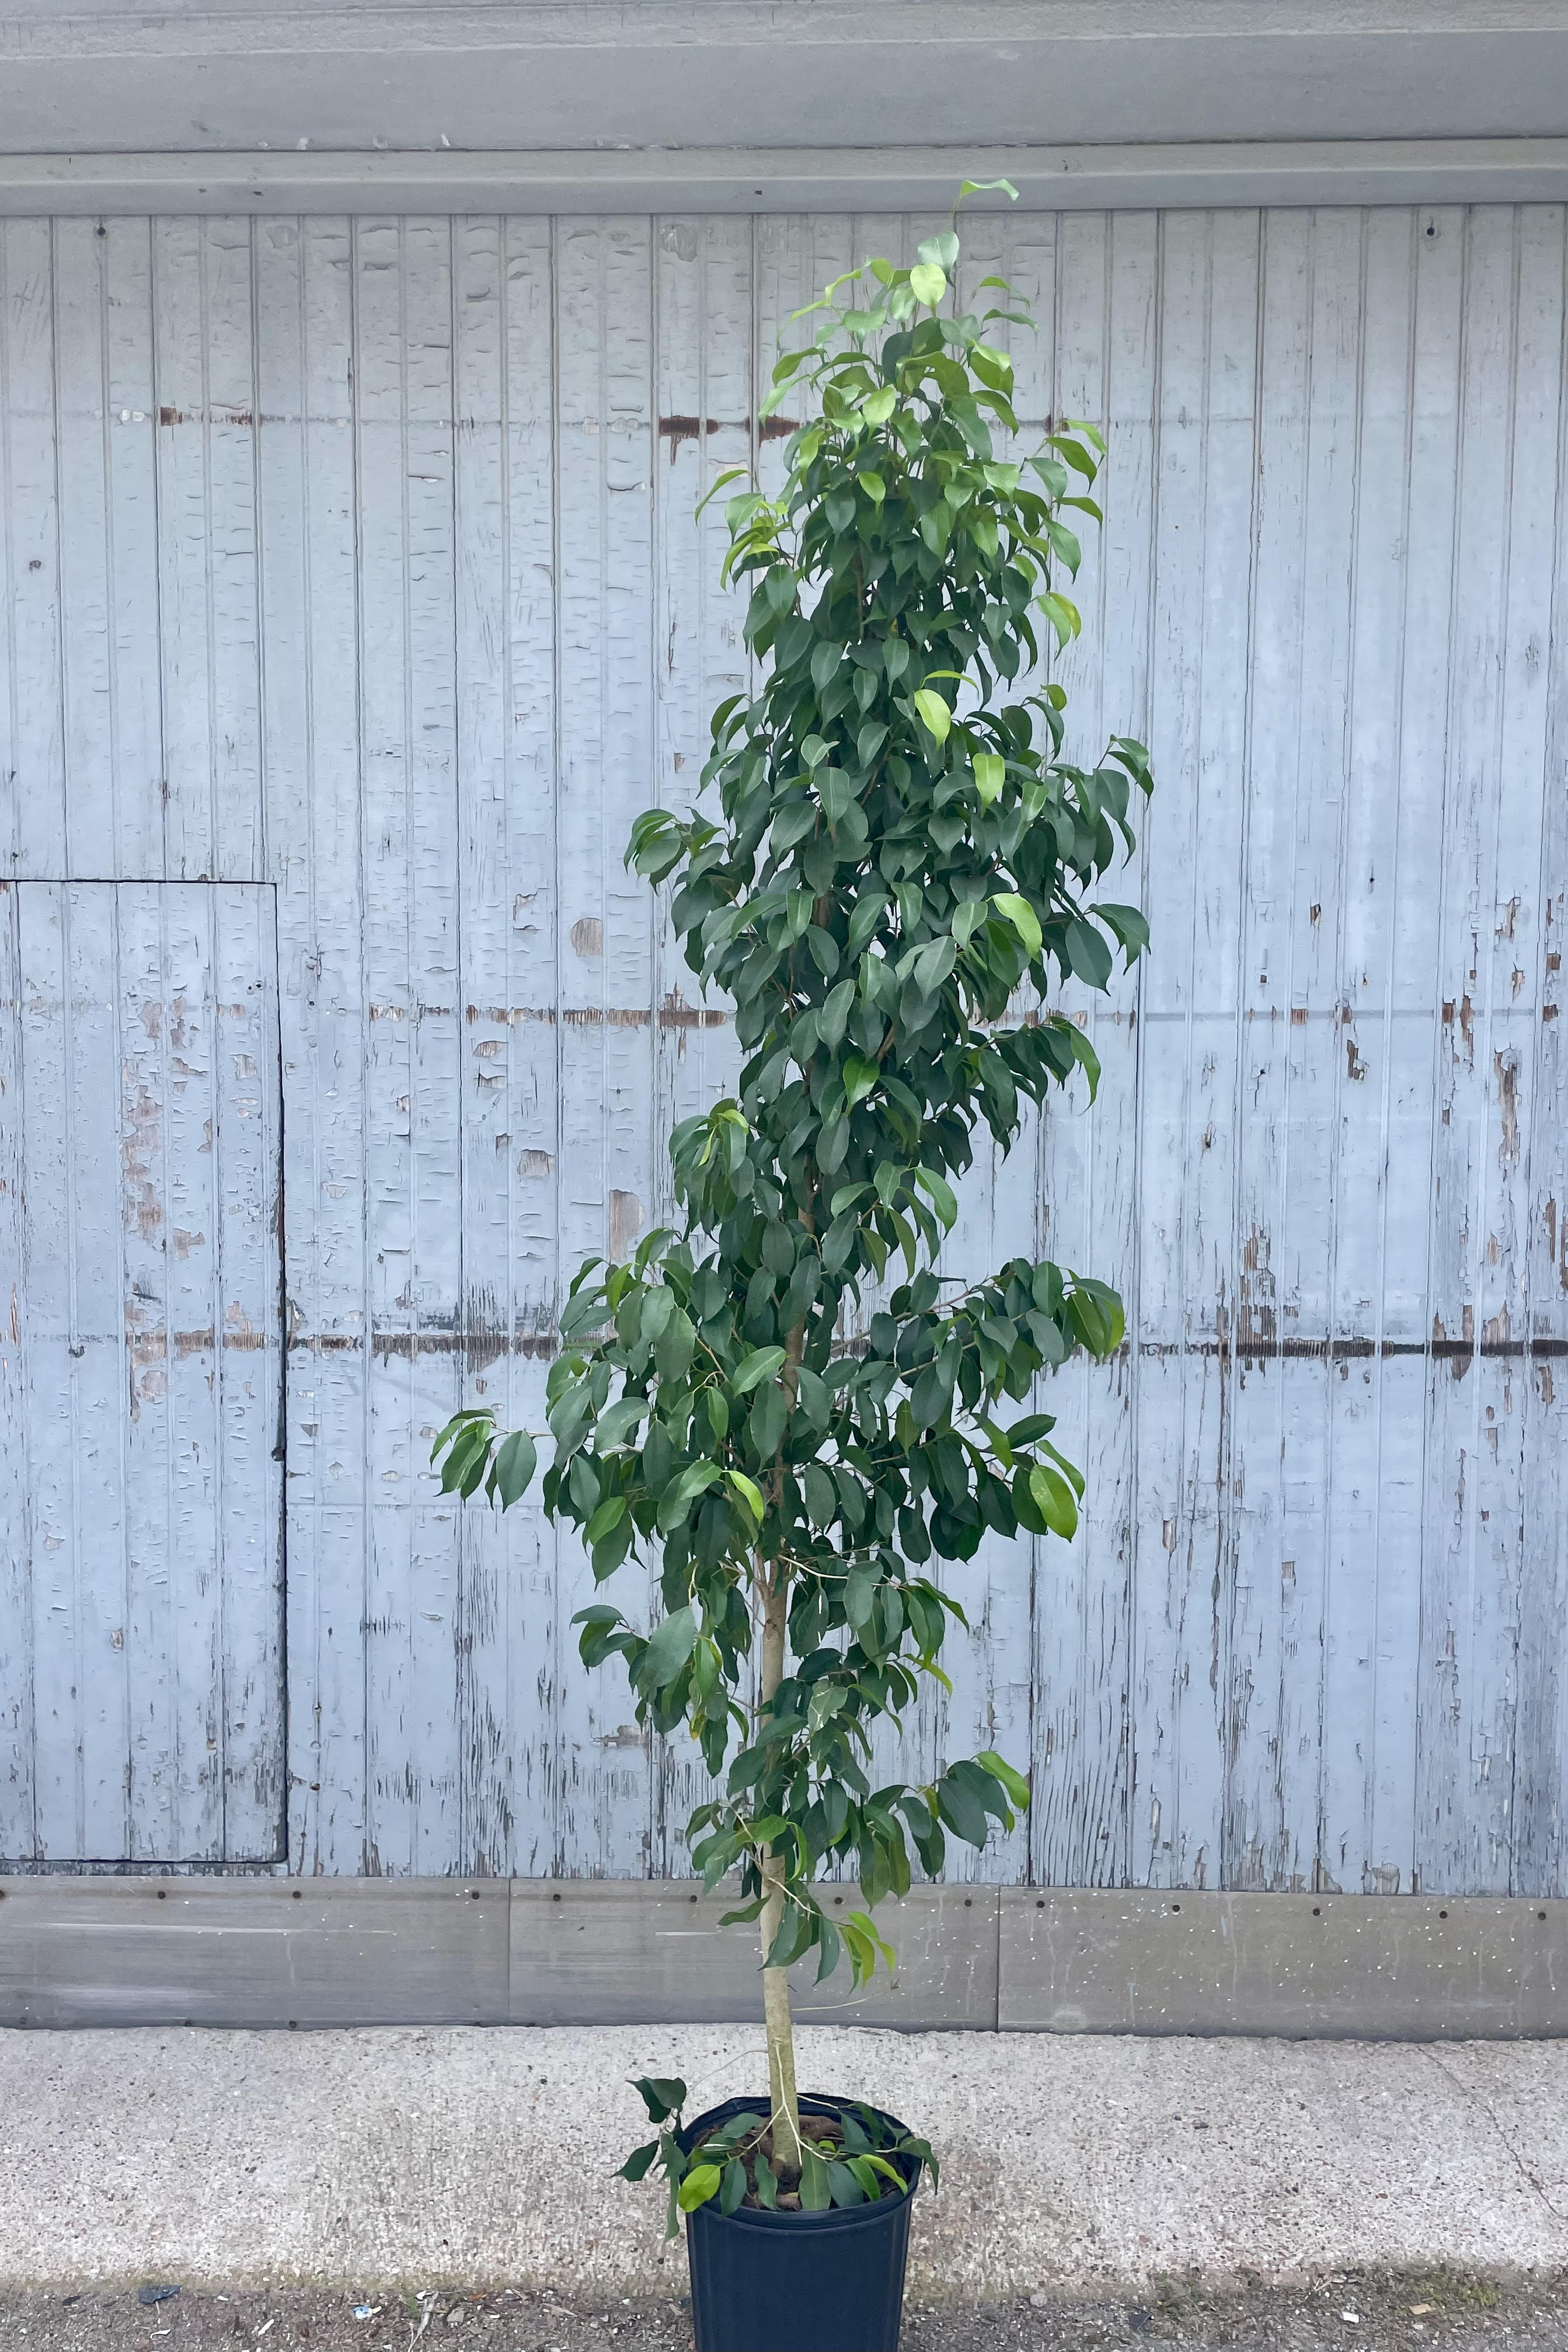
775, 1981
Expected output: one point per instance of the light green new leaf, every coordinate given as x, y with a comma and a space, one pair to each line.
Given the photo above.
750, 1493
990, 773
935, 711
1055, 1500
1018, 1788
701, 2183
1023, 917
928, 283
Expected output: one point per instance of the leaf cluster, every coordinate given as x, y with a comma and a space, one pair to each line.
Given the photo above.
861, 2161
783, 1400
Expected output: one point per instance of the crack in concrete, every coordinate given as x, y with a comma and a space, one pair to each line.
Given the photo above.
1478, 2099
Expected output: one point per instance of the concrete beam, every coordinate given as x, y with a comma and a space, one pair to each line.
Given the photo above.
187, 76
795, 180
266, 1951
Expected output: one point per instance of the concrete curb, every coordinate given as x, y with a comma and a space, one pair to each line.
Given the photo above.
484, 2155
162, 1950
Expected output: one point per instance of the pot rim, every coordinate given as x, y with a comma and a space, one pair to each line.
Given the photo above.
836, 2217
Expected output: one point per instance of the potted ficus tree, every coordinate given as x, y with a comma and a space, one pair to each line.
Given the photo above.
785, 1405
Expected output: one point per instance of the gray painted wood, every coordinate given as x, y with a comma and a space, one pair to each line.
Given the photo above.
354, 556
140, 1663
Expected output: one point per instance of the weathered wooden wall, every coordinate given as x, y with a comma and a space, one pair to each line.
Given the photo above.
357, 559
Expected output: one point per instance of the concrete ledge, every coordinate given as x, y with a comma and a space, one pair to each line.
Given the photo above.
607, 1953
1200, 173
1353, 1966
254, 1951
261, 1951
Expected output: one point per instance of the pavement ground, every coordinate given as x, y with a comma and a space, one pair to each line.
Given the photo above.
1096, 2189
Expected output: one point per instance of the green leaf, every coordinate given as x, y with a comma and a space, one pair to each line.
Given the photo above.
750, 1495
990, 774
699, 2184
617, 1422
1054, 1499
1018, 1788
636, 2164
935, 711
610, 1514
761, 1364
662, 2094
734, 2186
962, 1812
928, 283
670, 1646
1023, 917
516, 1460
940, 251
986, 187
815, 2194
859, 1077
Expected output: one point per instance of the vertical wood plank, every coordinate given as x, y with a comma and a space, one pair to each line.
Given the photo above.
605, 976
78, 1371
1541, 1762
244, 1151
1104, 371
404, 402
1370, 1639
309, 603
205, 403
703, 403
18, 1814
1189, 1067
107, 504
159, 985
505, 645
1469, 1592
32, 758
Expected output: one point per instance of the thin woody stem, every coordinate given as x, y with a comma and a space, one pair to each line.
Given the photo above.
775, 1981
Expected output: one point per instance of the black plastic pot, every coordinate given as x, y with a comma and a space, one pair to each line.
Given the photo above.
829, 2282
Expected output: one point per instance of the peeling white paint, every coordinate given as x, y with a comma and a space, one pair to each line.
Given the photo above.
416, 649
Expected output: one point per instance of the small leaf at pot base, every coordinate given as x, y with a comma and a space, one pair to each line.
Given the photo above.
699, 2184
663, 2095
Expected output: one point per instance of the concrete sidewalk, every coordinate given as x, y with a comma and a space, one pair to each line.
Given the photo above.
484, 2154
